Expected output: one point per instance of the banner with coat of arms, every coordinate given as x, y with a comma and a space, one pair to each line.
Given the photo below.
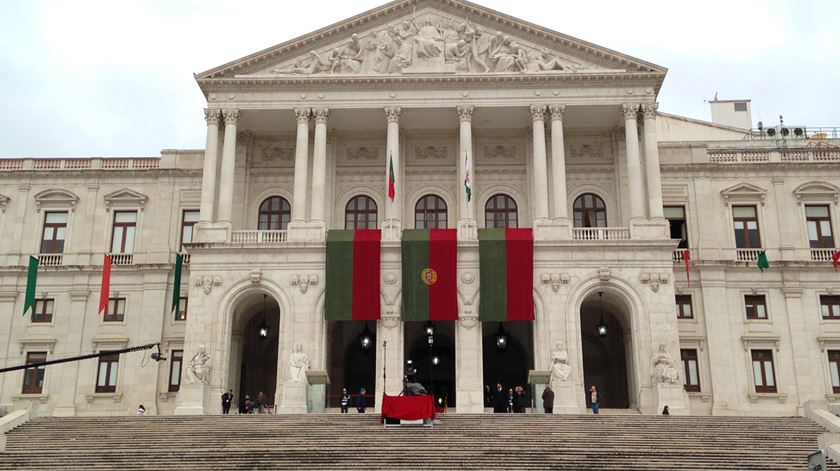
429, 274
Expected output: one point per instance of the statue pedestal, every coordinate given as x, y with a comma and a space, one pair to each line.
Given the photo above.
317, 393
191, 399
294, 398
566, 395
673, 396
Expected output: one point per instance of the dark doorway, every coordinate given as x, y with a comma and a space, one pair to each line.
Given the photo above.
507, 362
259, 356
350, 364
439, 361
604, 358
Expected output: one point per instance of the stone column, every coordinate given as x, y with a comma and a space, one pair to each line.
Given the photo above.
540, 170
558, 163
389, 331
467, 228
634, 166
208, 178
654, 182
319, 167
800, 342
228, 168
301, 164
391, 227
469, 367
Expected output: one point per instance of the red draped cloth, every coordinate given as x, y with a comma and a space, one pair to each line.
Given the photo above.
408, 407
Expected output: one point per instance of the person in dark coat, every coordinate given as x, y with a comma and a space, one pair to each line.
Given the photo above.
548, 400
499, 400
360, 401
227, 399
345, 400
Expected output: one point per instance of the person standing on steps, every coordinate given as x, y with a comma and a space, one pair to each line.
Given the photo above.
596, 399
510, 397
227, 399
360, 401
345, 400
261, 402
141, 411
548, 400
665, 411
499, 400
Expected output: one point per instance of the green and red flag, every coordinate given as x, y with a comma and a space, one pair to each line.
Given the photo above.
176, 283
31, 281
392, 180
430, 275
467, 183
835, 259
105, 289
352, 289
506, 271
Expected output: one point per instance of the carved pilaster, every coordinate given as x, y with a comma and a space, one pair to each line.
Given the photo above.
465, 112
211, 116
557, 112
392, 114
630, 110
302, 115
231, 117
321, 114
649, 110
537, 112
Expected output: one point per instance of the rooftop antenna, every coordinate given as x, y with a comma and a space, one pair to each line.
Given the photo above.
715, 98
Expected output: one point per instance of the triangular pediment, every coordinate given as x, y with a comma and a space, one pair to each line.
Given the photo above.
125, 198
744, 192
56, 198
432, 37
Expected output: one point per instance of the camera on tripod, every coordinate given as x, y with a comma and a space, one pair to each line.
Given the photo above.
410, 372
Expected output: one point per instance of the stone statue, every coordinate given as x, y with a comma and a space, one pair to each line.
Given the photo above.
427, 41
560, 369
507, 56
199, 369
539, 61
298, 364
664, 367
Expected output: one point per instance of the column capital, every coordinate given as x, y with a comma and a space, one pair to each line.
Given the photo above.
392, 114
465, 112
231, 117
302, 115
321, 114
630, 110
649, 110
211, 115
537, 112
557, 111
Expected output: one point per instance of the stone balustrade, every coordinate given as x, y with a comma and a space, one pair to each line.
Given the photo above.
258, 237
601, 233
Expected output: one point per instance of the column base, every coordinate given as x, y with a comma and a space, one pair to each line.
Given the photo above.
392, 229
643, 228
294, 398
64, 411
306, 231
566, 398
553, 229
218, 232
191, 400
673, 396
467, 229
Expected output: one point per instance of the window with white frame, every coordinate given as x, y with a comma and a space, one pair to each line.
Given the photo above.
123, 231
834, 370
106, 374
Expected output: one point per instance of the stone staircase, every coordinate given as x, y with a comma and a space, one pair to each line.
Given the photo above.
359, 442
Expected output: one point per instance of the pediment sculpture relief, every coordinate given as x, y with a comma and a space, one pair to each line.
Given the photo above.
430, 43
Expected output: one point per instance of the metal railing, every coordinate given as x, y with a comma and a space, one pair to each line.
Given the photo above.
258, 237
122, 258
50, 259
747, 255
601, 233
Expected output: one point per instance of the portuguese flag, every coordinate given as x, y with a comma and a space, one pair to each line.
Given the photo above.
429, 275
506, 270
352, 291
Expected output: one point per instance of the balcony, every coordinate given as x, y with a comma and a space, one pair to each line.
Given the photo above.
822, 255
678, 255
50, 259
747, 255
258, 237
601, 233
122, 258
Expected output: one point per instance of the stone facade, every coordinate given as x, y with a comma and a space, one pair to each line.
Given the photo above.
525, 112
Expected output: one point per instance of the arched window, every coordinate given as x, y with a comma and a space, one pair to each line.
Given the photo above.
275, 214
430, 213
360, 213
590, 211
500, 213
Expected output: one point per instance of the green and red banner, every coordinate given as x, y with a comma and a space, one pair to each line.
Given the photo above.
352, 289
506, 270
31, 282
429, 274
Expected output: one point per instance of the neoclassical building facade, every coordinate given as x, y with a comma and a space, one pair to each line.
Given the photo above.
647, 232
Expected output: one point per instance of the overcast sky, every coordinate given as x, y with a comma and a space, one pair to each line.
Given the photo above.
114, 78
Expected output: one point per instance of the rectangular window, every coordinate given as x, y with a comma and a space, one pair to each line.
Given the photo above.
116, 310
740, 106
763, 372
33, 378
834, 370
181, 314
55, 231
122, 234
106, 375
176, 359
188, 220
679, 230
691, 375
755, 306
745, 221
43, 310
818, 221
684, 307
830, 306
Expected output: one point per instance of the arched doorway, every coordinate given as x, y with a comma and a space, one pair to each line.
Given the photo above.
606, 345
437, 363
254, 346
507, 353
350, 363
